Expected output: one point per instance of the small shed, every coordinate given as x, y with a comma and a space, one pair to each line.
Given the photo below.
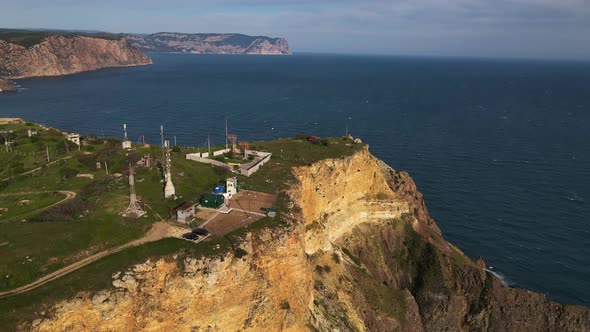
219, 189
185, 212
211, 200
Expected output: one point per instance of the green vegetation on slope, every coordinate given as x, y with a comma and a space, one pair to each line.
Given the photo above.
31, 38
30, 249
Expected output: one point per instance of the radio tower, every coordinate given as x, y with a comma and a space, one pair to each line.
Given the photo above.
134, 210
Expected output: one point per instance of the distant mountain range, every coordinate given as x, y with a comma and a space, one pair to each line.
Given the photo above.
209, 43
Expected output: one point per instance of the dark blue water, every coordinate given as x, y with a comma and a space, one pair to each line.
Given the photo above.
500, 149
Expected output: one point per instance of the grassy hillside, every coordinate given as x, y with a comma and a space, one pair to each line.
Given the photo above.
35, 244
31, 38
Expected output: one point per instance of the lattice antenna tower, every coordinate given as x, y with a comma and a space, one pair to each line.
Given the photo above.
134, 210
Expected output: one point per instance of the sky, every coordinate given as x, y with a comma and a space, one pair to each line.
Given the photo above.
482, 28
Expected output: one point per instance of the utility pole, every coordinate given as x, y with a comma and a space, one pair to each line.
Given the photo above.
106, 167
174, 140
226, 146
162, 139
209, 144
47, 152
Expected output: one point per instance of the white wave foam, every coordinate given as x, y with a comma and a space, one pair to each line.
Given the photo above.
500, 276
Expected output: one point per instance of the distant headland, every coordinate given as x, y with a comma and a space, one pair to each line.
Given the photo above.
35, 53
210, 43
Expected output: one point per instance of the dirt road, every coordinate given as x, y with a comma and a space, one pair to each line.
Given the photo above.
68, 196
158, 231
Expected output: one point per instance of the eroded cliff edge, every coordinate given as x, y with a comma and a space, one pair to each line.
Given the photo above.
358, 252
62, 55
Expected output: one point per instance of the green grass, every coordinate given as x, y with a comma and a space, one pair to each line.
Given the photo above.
98, 275
33, 250
31, 38
93, 277
36, 201
276, 175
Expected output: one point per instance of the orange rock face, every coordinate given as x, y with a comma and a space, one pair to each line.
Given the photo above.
59, 55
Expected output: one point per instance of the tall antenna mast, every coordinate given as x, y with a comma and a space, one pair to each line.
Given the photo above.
134, 210
162, 139
169, 191
125, 131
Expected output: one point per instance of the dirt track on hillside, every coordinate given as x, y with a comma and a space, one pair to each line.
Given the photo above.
158, 231
69, 195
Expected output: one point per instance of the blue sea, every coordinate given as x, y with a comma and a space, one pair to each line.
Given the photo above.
500, 148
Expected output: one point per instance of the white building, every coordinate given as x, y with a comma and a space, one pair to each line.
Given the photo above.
185, 212
231, 186
73, 137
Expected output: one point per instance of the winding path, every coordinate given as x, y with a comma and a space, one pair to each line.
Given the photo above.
69, 195
158, 231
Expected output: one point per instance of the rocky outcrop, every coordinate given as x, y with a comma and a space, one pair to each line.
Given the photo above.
207, 43
6, 86
61, 55
359, 253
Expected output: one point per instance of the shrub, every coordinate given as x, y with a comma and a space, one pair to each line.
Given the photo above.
285, 305
67, 172
176, 149
336, 258
239, 253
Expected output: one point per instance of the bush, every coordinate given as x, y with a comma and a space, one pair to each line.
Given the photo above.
176, 149
336, 258
67, 172
285, 305
65, 212
239, 253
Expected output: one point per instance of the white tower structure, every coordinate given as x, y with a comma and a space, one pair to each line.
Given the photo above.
134, 210
169, 190
231, 186
126, 142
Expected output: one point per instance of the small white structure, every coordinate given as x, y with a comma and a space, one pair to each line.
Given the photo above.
231, 186
185, 212
74, 138
31, 133
126, 142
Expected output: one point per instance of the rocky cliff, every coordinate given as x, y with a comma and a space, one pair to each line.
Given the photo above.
358, 253
6, 86
61, 55
205, 43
